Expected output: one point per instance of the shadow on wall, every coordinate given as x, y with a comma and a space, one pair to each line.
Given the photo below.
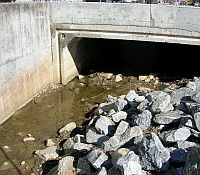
135, 58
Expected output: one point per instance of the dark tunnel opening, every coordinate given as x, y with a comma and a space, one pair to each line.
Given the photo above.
138, 58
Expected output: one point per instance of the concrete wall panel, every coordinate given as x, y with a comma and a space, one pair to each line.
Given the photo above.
25, 54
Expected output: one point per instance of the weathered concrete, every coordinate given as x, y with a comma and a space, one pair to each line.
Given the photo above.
28, 61
143, 22
25, 54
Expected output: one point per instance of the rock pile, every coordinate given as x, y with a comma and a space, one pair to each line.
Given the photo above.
136, 134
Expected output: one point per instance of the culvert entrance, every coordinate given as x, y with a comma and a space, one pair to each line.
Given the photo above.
168, 61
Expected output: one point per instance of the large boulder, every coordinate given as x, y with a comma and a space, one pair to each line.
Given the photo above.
192, 166
161, 102
153, 155
130, 164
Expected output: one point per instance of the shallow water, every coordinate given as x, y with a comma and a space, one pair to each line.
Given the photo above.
45, 114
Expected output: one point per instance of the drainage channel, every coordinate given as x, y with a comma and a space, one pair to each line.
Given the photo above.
114, 68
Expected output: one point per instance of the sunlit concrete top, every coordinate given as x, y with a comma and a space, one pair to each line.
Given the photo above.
146, 22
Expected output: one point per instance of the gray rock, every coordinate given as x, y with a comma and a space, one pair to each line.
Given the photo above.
117, 141
196, 97
122, 127
143, 120
104, 125
197, 120
130, 97
178, 154
180, 94
188, 122
129, 164
102, 171
144, 105
192, 166
177, 171
48, 153
105, 107
161, 102
68, 145
153, 155
83, 146
83, 166
64, 167
168, 117
191, 107
117, 117
97, 158
194, 133
110, 98
191, 85
94, 138
118, 154
187, 145
120, 103
180, 134
114, 171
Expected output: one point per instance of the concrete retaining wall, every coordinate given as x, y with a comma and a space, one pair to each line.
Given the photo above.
25, 54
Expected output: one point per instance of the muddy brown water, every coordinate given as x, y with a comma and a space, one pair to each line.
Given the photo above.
45, 114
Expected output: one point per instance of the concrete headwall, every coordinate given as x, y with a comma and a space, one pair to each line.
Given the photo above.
25, 54
161, 23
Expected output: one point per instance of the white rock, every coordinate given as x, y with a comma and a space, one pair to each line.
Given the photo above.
118, 78
48, 153
28, 139
22, 163
117, 117
69, 127
49, 142
142, 77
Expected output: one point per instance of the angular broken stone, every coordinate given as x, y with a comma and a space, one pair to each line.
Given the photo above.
83, 146
161, 102
197, 120
105, 107
143, 120
130, 98
118, 154
130, 164
180, 94
122, 127
69, 127
83, 166
49, 142
117, 117
178, 135
120, 103
196, 97
168, 117
187, 121
97, 158
94, 138
48, 153
178, 154
68, 145
78, 138
144, 105
104, 125
64, 167
117, 141
153, 155
187, 145
192, 166
102, 171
